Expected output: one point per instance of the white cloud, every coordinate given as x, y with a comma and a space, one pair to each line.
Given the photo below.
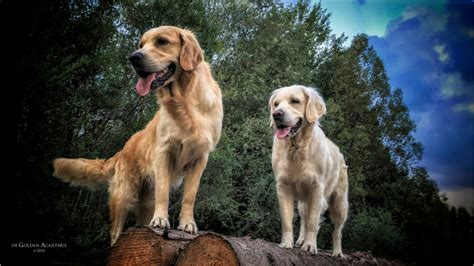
431, 20
464, 107
463, 197
443, 56
436, 22
412, 12
453, 85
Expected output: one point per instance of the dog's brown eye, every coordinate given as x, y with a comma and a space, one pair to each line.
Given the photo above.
295, 101
141, 45
161, 41
275, 104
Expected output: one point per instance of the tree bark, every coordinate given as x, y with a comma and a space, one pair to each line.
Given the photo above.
144, 246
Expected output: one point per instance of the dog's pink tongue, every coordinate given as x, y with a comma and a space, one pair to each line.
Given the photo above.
281, 133
143, 84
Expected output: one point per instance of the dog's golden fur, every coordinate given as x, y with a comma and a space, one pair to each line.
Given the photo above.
175, 143
308, 167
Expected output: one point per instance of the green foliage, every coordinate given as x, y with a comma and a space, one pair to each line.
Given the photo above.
375, 230
255, 184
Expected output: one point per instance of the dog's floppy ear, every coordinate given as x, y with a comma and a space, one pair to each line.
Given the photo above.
191, 53
315, 106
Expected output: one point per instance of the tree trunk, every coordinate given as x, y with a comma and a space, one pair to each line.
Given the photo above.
144, 246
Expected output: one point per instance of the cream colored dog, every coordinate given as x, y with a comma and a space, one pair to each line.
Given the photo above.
308, 167
175, 144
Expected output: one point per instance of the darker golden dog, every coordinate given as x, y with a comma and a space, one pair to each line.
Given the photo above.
175, 143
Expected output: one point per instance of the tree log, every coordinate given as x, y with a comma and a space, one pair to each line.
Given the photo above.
215, 249
144, 246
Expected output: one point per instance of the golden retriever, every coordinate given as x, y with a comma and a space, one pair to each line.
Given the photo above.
175, 144
308, 167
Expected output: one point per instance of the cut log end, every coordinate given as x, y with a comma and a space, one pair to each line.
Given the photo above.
142, 246
208, 249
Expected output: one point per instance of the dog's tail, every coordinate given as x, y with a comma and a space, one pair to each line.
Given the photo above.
85, 172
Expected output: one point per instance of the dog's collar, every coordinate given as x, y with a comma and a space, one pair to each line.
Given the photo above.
293, 143
169, 87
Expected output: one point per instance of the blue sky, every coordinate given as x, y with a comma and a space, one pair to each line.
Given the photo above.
427, 48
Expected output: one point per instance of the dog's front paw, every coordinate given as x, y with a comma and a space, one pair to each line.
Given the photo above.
311, 248
299, 242
188, 226
338, 254
286, 244
160, 222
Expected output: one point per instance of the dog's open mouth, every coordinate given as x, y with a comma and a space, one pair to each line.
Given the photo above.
152, 81
284, 131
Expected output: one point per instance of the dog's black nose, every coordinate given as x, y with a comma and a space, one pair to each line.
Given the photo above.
136, 58
278, 114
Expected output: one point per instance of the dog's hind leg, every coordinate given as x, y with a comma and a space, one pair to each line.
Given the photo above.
302, 211
146, 204
122, 199
338, 213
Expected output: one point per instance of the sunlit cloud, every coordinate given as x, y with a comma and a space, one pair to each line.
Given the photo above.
443, 56
463, 107
429, 21
453, 85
